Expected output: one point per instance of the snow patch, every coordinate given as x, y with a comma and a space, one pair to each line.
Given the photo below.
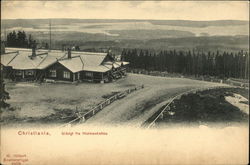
238, 101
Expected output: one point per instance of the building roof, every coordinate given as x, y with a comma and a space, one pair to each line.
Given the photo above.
87, 61
91, 59
99, 68
52, 58
23, 61
74, 64
7, 58
116, 64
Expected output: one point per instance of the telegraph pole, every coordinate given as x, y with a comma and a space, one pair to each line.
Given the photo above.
50, 47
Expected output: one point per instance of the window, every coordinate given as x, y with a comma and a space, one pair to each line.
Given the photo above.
29, 72
66, 74
89, 74
19, 73
78, 74
52, 73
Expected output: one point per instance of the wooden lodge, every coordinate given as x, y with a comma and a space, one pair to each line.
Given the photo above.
41, 65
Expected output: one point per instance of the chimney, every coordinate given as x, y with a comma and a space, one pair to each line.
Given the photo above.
34, 49
2, 47
69, 53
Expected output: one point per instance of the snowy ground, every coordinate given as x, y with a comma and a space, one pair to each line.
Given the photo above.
239, 101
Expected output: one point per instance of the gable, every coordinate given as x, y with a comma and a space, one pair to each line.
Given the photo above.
57, 66
74, 64
108, 58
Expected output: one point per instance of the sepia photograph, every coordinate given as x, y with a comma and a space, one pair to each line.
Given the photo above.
124, 82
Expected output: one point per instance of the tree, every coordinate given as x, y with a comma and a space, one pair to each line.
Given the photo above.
46, 45
3, 95
77, 48
12, 39
219, 64
21, 40
18, 39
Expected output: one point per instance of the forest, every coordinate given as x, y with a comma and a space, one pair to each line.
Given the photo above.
217, 64
20, 40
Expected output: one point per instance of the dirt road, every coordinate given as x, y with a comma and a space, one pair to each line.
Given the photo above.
137, 107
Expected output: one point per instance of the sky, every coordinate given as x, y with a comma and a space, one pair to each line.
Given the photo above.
163, 10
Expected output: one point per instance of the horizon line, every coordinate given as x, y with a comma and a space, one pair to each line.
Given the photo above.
126, 19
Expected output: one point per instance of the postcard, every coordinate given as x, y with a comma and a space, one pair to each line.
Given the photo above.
124, 82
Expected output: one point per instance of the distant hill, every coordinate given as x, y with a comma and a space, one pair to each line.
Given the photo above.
199, 23
188, 23
151, 34
129, 33
204, 43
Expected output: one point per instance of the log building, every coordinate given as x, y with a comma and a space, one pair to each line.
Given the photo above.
29, 65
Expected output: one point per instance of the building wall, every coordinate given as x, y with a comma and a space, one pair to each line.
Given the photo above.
2, 47
92, 76
60, 69
5, 70
29, 74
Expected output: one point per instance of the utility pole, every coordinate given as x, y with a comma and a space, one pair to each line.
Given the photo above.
50, 47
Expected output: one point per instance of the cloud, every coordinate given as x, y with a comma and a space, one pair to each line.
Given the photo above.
186, 10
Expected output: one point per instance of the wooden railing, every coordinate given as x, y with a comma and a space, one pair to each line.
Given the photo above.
85, 116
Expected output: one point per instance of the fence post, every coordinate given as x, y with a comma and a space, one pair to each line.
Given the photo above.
93, 111
153, 124
100, 106
161, 116
83, 119
168, 108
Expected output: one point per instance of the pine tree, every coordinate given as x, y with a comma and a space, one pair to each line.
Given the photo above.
4, 95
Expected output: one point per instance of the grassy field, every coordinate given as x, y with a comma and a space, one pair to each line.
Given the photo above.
33, 102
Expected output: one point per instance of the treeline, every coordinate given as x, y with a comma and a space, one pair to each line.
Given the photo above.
20, 40
222, 65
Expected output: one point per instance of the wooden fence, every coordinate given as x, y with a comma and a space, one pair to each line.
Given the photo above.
100, 106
